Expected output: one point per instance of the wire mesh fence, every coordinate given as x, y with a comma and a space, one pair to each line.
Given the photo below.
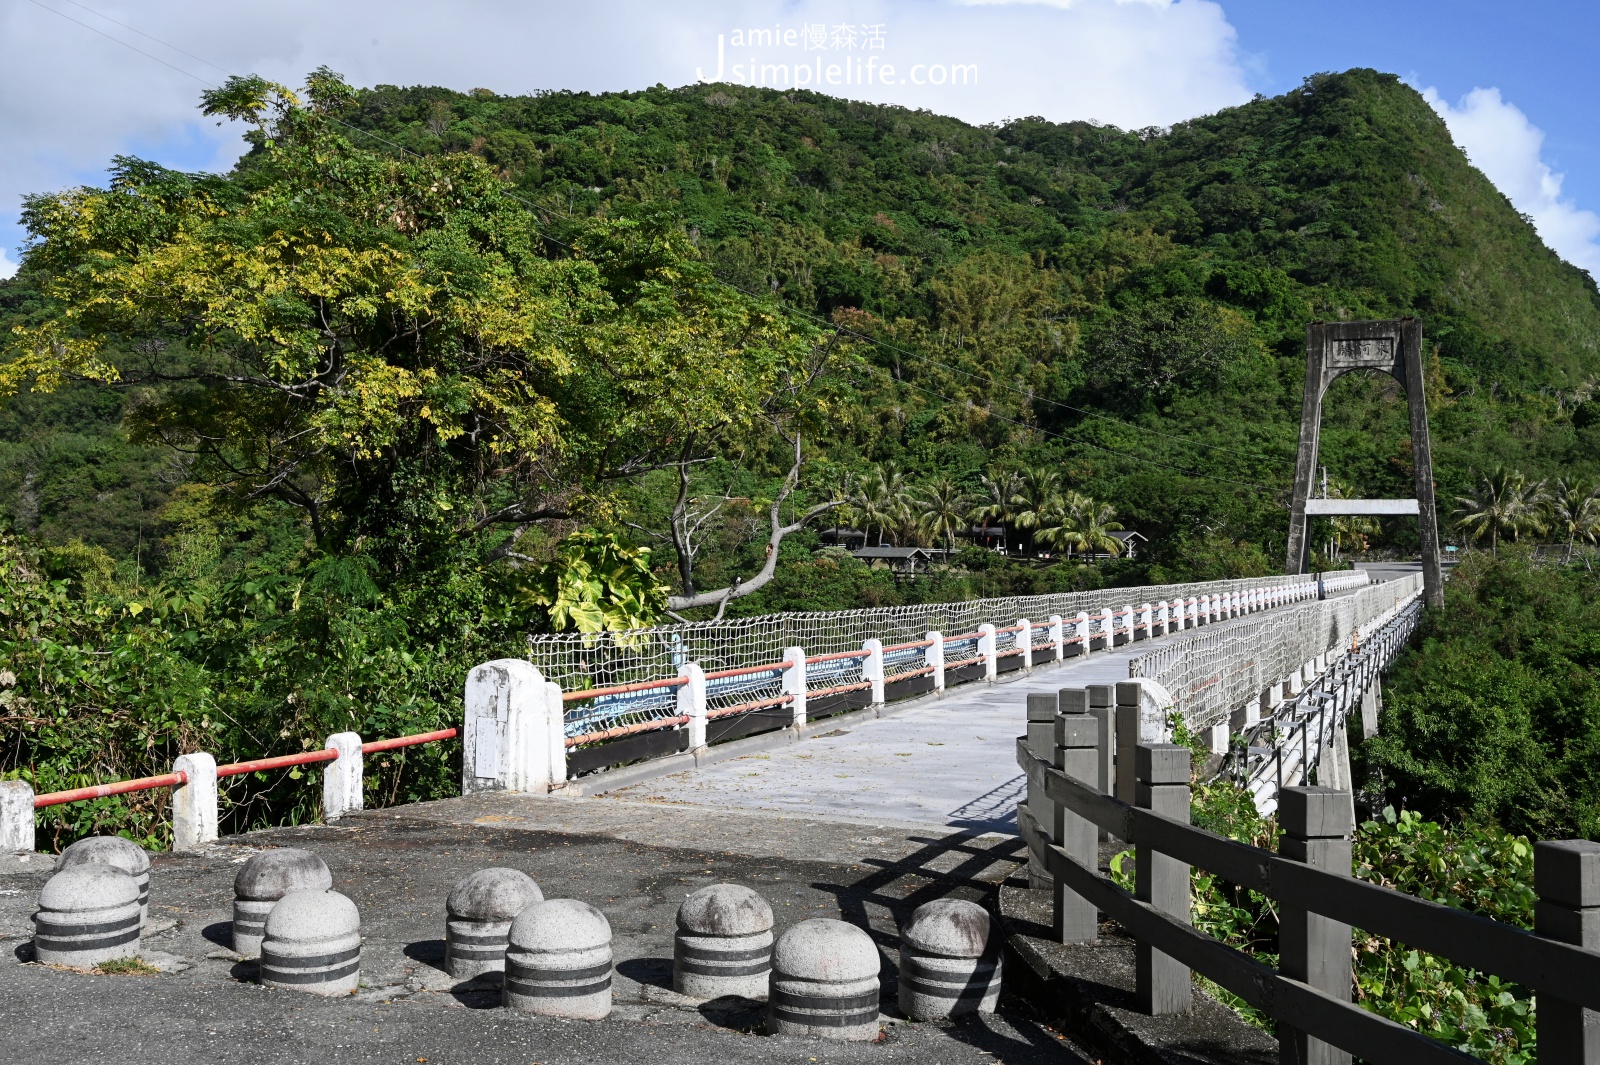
605, 662
1217, 670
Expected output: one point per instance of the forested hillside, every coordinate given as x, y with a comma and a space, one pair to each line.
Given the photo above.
1127, 308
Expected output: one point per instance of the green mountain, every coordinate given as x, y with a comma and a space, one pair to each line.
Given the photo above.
1128, 307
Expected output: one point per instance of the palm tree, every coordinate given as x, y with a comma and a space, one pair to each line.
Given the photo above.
880, 500
1038, 495
1080, 523
942, 507
1503, 502
1096, 523
1575, 512
999, 488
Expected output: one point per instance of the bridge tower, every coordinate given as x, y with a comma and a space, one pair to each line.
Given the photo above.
1334, 348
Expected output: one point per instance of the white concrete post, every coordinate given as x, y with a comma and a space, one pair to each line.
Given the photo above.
1080, 629
794, 683
342, 777
692, 703
872, 668
1175, 619
506, 729
194, 802
16, 817
1193, 612
986, 650
1058, 636
1163, 618
555, 742
934, 657
1108, 623
1147, 620
1025, 642
1130, 623
1217, 736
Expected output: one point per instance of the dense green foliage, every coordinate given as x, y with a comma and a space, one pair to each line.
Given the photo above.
1014, 278
1495, 715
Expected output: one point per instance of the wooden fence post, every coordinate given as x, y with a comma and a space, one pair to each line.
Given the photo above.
1077, 733
1042, 709
1317, 823
1566, 874
1161, 785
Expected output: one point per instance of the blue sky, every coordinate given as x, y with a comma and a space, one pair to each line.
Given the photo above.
1515, 82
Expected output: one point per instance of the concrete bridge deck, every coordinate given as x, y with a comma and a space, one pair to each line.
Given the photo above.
945, 761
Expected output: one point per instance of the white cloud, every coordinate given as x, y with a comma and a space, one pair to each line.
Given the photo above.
7, 267
71, 97
1501, 142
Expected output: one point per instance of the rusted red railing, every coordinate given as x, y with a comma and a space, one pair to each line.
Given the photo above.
233, 769
838, 656
745, 671
623, 689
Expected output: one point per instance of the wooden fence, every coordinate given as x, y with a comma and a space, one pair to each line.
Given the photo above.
1309, 993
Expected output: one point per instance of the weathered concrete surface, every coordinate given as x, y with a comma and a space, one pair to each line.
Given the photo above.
398, 867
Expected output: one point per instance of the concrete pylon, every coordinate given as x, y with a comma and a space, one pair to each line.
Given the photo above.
1335, 348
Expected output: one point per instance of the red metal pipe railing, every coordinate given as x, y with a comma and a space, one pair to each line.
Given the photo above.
282, 761
742, 707
627, 730
233, 769
908, 646
838, 656
745, 671
100, 791
623, 689
840, 688
410, 741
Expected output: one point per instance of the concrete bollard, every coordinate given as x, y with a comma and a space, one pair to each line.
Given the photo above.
266, 878
118, 853
313, 943
88, 914
949, 961
724, 944
558, 962
478, 916
824, 982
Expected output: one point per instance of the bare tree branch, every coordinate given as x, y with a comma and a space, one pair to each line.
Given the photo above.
740, 588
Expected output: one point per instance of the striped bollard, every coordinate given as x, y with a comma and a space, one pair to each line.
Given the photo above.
723, 945
118, 853
824, 982
478, 915
313, 944
949, 961
558, 962
88, 914
266, 878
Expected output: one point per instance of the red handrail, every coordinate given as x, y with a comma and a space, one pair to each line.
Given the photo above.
742, 707
622, 689
1009, 628
776, 667
409, 741
100, 791
627, 730
908, 646
233, 769
282, 761
838, 656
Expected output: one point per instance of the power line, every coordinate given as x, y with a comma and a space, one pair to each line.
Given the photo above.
737, 288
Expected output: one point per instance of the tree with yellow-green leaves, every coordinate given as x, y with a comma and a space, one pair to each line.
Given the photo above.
389, 342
